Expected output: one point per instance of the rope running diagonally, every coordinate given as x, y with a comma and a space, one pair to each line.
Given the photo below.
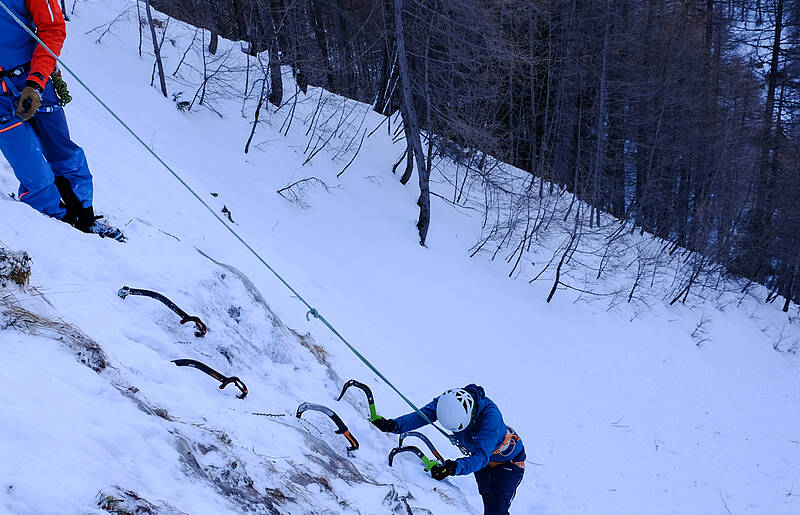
311, 310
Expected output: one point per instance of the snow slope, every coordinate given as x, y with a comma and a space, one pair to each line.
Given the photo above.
620, 409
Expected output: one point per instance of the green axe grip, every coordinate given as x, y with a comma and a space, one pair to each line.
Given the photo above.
373, 413
429, 463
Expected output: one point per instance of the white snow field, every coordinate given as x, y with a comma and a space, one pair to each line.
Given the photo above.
622, 410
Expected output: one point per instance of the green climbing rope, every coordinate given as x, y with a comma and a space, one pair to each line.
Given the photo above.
312, 312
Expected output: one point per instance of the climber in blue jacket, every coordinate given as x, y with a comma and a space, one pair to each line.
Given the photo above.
496, 454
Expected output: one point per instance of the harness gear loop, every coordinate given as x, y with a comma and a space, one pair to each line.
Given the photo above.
15, 71
9, 89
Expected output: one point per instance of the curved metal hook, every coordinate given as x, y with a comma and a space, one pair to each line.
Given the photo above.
200, 327
429, 463
373, 414
341, 427
238, 383
225, 381
425, 439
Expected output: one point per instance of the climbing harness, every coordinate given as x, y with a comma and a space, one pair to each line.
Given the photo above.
16, 71
225, 381
312, 312
341, 427
200, 327
9, 89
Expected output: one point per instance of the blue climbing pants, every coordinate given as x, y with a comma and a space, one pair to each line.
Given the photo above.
40, 150
498, 485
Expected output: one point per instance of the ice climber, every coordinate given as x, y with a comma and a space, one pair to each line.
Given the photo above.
34, 138
496, 454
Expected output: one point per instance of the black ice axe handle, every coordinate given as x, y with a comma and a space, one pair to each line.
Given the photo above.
373, 414
200, 327
224, 381
361, 386
429, 463
428, 443
341, 427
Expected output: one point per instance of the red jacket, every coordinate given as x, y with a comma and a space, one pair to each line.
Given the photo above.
52, 30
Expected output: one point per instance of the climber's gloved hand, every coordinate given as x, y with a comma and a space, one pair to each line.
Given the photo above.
29, 102
441, 471
387, 425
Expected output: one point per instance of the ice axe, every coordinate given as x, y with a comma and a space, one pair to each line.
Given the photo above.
429, 463
200, 327
425, 439
373, 414
341, 427
225, 381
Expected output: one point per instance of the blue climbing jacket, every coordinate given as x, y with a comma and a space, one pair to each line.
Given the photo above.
16, 46
487, 438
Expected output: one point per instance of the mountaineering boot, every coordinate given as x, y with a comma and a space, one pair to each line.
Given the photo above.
88, 222
69, 200
84, 218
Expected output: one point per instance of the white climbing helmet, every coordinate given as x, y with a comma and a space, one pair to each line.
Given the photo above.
454, 409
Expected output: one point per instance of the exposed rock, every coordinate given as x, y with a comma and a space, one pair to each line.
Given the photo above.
15, 266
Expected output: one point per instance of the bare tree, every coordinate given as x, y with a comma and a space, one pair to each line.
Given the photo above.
410, 121
156, 50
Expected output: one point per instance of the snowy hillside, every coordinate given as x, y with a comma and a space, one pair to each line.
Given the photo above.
625, 408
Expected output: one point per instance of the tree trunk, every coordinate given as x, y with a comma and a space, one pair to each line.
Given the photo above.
600, 148
214, 43
410, 121
276, 81
156, 50
322, 43
762, 210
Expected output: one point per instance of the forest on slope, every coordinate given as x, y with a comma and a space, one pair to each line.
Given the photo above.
676, 117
